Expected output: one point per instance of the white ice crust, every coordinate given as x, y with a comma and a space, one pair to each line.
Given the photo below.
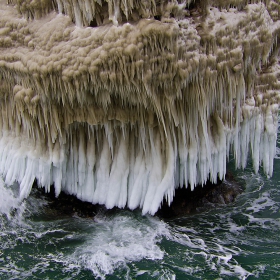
151, 97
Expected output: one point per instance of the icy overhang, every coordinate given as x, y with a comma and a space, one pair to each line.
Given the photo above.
121, 102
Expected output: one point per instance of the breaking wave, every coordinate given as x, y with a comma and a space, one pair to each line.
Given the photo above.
238, 241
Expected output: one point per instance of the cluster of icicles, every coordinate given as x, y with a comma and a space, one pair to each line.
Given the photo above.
138, 98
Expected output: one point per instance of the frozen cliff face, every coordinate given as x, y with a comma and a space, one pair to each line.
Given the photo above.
119, 102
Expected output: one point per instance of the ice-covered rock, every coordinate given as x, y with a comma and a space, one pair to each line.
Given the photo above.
119, 102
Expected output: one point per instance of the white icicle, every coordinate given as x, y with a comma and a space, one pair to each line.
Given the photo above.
120, 102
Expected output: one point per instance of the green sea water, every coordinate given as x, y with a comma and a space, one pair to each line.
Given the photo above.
237, 241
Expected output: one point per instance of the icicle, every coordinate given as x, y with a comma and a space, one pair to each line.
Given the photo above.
122, 114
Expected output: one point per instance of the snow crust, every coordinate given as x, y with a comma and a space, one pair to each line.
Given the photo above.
153, 96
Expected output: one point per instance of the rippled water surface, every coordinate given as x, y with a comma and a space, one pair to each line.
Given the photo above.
238, 241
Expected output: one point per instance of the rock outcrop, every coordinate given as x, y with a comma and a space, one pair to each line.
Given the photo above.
120, 102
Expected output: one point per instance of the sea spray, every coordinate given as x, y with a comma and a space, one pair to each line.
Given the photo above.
11, 205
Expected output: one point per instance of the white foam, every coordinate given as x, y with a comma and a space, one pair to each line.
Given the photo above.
118, 241
264, 223
261, 203
216, 254
9, 201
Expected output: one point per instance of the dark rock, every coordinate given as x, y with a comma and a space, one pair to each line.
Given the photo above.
185, 201
201, 198
68, 205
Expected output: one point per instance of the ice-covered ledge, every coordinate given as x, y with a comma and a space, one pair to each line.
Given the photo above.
138, 98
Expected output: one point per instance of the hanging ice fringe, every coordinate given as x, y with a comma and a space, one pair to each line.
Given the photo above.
120, 102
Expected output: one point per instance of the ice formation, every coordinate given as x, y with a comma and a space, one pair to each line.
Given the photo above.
120, 102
